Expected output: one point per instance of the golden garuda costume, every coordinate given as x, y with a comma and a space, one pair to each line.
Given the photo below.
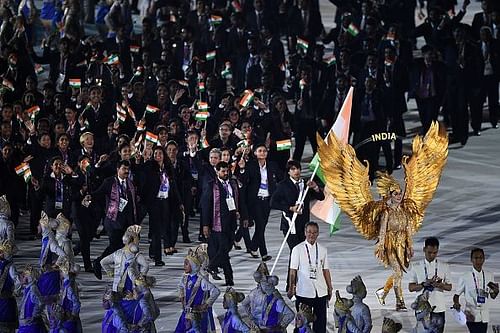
397, 216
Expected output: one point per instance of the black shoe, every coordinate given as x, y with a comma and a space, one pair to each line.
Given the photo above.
477, 133
236, 245
214, 275
76, 250
159, 263
229, 283
97, 269
266, 257
151, 256
398, 166
202, 239
494, 126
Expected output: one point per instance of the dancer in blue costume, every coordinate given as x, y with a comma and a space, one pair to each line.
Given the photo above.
360, 311
126, 264
31, 309
197, 296
342, 310
304, 319
8, 282
274, 315
49, 281
139, 308
232, 322
114, 320
6, 225
250, 306
67, 313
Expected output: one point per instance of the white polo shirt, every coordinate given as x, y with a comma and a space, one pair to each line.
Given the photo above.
302, 262
467, 286
424, 270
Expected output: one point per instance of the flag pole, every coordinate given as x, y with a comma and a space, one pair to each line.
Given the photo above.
302, 198
294, 217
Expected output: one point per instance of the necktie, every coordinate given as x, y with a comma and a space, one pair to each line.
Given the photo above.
258, 21
297, 186
123, 189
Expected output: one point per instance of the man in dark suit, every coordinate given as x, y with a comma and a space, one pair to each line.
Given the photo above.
98, 115
393, 85
259, 178
121, 200
490, 75
286, 198
222, 205
258, 17
307, 112
482, 18
304, 20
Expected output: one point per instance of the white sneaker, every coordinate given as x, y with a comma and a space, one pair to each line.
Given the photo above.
380, 293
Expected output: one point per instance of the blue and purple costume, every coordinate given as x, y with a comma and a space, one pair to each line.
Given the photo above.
195, 290
30, 311
8, 305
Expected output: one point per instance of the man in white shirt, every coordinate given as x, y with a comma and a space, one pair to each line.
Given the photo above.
432, 276
310, 279
479, 289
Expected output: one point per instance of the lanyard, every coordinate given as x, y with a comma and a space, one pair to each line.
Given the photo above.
475, 282
435, 270
309, 256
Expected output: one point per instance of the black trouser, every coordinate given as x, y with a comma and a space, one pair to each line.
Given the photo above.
477, 327
159, 219
428, 110
244, 233
188, 202
115, 241
438, 317
489, 88
86, 226
260, 215
35, 206
318, 305
219, 245
304, 129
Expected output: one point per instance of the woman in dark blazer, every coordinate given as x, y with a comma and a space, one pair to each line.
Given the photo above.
160, 195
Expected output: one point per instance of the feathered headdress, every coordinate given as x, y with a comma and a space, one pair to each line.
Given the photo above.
233, 295
342, 304
386, 184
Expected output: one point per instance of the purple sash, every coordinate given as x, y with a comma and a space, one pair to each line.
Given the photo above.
114, 199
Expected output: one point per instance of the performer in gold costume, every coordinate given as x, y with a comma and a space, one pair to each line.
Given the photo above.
395, 218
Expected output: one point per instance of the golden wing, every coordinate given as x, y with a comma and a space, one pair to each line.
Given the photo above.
423, 171
348, 181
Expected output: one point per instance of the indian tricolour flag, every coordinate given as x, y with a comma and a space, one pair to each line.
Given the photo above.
302, 43
151, 109
134, 48
330, 60
283, 145
211, 55
27, 175
353, 29
7, 84
39, 69
33, 111
201, 86
204, 143
328, 210
151, 137
121, 114
112, 60
75, 83
302, 84
215, 19
236, 6
21, 169
202, 115
247, 98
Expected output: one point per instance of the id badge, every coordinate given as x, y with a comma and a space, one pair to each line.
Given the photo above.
122, 205
230, 204
59, 205
194, 174
312, 273
263, 186
163, 193
481, 299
